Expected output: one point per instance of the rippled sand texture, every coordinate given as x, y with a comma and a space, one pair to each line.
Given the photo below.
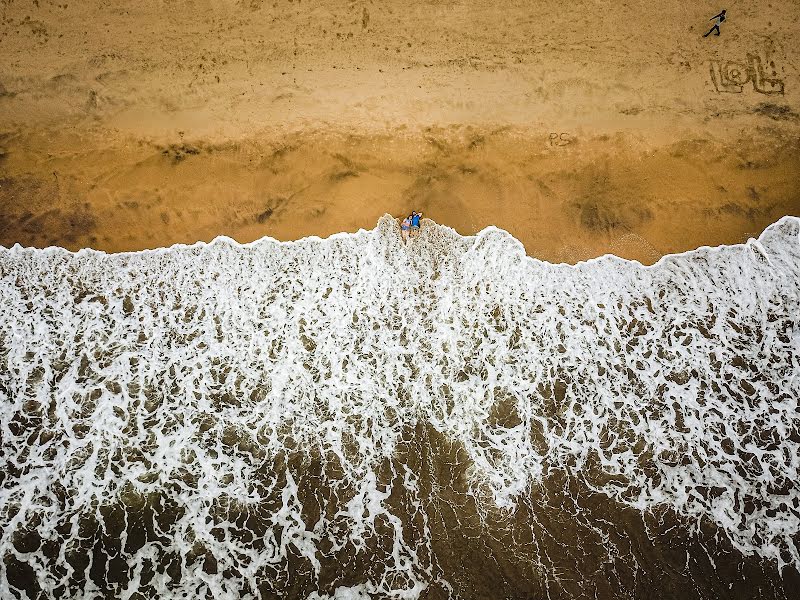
353, 418
581, 127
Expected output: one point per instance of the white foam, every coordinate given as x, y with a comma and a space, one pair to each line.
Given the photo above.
182, 372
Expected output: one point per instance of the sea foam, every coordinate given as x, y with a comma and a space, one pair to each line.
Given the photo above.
225, 420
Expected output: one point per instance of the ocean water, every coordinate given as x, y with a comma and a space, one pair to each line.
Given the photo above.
353, 418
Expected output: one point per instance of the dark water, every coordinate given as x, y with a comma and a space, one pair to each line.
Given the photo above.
352, 419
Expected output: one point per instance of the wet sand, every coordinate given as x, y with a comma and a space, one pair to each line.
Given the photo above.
581, 129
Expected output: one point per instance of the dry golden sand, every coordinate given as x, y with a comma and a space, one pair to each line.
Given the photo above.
582, 128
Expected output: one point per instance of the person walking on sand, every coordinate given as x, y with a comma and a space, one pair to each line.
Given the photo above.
718, 19
405, 228
415, 217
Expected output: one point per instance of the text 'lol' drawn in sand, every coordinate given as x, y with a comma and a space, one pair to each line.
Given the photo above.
730, 77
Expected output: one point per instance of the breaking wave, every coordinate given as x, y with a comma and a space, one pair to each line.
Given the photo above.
357, 418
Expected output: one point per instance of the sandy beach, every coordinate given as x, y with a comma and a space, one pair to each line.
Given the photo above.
582, 129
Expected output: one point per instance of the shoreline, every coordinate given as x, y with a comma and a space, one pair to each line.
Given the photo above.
223, 239
566, 200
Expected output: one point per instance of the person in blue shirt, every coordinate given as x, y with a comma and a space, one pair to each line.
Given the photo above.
415, 217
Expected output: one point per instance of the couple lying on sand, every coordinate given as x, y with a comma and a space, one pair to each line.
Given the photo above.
410, 225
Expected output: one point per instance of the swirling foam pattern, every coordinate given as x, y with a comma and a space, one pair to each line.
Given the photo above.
356, 418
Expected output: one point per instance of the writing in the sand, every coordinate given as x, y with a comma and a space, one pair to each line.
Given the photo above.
559, 139
731, 77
